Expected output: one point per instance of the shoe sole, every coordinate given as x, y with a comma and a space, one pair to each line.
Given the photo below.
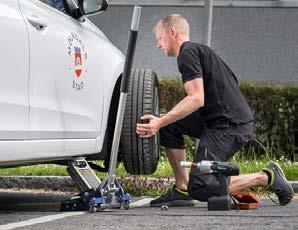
277, 166
176, 203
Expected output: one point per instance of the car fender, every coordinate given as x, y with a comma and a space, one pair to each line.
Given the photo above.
110, 80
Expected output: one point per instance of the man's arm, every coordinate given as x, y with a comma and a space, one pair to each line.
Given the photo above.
193, 101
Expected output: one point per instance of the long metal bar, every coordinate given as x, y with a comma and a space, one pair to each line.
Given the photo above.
208, 22
116, 139
123, 94
217, 3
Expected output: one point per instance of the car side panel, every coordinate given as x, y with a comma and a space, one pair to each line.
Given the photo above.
36, 151
14, 62
65, 123
65, 91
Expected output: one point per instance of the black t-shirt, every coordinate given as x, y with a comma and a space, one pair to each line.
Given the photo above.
224, 102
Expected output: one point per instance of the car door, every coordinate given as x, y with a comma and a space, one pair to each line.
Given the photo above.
65, 90
14, 63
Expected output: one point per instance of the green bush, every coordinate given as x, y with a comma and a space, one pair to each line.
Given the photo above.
275, 112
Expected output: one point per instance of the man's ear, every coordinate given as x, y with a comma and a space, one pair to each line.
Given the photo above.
173, 31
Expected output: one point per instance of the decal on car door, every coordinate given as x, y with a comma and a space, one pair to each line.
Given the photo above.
78, 61
76, 50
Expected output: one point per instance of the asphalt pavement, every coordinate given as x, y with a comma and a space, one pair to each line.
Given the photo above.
32, 209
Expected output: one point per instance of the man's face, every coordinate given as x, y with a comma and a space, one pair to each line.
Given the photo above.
165, 41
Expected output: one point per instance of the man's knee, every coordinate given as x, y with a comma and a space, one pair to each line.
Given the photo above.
201, 187
196, 189
170, 137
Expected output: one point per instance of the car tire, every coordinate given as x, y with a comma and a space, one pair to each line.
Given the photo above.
140, 155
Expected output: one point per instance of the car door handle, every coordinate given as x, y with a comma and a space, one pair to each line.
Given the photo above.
37, 22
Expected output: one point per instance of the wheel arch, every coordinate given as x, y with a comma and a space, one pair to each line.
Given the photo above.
109, 121
140, 156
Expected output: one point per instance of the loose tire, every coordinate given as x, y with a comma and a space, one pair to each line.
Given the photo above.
140, 155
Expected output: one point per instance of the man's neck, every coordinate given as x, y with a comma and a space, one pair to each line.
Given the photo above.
179, 44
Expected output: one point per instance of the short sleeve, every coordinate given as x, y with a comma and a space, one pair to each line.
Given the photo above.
189, 65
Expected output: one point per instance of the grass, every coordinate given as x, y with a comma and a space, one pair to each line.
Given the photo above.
35, 170
254, 165
163, 171
162, 178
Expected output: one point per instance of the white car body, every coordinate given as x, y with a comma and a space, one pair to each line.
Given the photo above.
56, 84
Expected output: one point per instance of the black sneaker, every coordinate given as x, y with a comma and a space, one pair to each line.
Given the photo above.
173, 198
279, 184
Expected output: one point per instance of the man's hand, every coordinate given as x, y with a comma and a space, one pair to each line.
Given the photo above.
149, 129
193, 101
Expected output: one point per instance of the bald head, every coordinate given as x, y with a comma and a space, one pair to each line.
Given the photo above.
174, 21
171, 32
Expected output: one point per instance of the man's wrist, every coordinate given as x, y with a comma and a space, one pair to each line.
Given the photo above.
162, 121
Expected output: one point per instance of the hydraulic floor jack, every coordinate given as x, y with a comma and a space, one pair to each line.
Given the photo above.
96, 195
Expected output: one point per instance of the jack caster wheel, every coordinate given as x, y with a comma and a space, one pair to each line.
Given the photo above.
164, 208
126, 205
93, 209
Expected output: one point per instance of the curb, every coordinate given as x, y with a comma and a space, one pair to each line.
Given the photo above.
55, 183
65, 183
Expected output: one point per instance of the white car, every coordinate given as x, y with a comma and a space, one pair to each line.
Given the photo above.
60, 80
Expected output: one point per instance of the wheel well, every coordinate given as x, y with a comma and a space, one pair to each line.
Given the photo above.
109, 132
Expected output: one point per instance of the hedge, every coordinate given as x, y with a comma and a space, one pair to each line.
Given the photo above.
275, 109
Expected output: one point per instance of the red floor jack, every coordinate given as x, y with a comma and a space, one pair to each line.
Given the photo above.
96, 195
